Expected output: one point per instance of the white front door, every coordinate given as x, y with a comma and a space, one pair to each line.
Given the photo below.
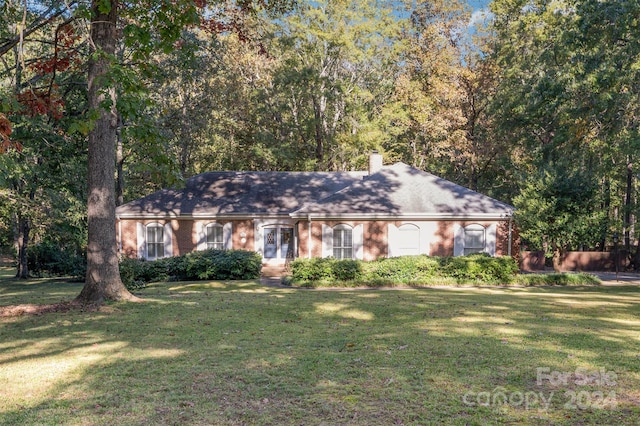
276, 242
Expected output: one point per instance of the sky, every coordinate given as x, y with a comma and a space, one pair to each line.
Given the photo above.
480, 11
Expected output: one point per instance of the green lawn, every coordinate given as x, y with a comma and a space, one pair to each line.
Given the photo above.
215, 353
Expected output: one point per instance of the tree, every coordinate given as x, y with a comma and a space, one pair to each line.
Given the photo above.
160, 28
103, 274
39, 79
440, 110
608, 50
567, 80
555, 213
302, 92
336, 69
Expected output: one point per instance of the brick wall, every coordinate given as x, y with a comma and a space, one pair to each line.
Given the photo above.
532, 261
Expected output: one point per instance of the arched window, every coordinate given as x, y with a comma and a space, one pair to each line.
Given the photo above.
343, 242
214, 236
475, 239
155, 241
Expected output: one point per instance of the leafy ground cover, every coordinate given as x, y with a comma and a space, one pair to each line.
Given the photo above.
229, 353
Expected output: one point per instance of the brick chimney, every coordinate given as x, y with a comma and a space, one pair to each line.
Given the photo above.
375, 162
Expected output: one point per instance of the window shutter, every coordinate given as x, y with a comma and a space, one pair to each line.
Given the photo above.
458, 240
168, 243
141, 243
258, 236
327, 241
394, 240
227, 232
201, 235
491, 239
358, 241
428, 233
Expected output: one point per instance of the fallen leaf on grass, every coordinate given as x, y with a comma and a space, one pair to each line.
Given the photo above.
33, 309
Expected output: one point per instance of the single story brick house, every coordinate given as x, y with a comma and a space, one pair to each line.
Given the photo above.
383, 212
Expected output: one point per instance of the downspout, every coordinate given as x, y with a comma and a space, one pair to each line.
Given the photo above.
510, 235
119, 235
309, 237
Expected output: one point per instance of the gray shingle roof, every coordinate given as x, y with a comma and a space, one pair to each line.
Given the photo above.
401, 190
240, 193
396, 191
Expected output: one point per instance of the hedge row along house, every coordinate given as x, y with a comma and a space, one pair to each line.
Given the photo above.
383, 212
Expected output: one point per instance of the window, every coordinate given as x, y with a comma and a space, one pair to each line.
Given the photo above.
286, 243
474, 239
342, 242
278, 242
155, 241
214, 237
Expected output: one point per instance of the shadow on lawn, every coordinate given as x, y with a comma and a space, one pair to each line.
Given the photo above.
244, 354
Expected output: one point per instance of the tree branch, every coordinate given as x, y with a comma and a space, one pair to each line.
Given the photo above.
41, 21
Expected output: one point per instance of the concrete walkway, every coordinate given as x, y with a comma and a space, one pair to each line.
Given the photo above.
622, 278
273, 282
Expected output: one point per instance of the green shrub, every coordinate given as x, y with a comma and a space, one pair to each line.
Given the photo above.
314, 269
346, 270
480, 267
222, 265
131, 273
405, 270
136, 273
393, 269
238, 265
198, 265
175, 267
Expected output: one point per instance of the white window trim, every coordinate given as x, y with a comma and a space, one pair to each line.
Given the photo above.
260, 225
357, 236
227, 233
142, 239
489, 238
475, 228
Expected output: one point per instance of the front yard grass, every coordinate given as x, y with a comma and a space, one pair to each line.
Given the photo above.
229, 353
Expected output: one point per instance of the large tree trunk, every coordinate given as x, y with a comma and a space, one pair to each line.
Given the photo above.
103, 276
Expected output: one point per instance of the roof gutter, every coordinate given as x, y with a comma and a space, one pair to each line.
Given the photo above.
233, 216
308, 216
405, 216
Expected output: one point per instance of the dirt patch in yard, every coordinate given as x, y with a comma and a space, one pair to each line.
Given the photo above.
31, 309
